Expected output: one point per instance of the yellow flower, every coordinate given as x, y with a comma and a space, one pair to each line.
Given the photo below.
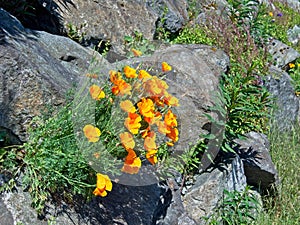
96, 92
136, 52
127, 106
270, 14
129, 72
132, 163
127, 140
132, 122
103, 184
91, 133
165, 67
291, 65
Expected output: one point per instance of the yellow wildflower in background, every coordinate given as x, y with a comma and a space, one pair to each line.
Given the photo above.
270, 14
291, 65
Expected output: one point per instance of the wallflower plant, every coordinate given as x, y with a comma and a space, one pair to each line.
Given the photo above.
125, 123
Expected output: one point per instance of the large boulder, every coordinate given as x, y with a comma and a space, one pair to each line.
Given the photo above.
36, 69
203, 198
282, 54
286, 110
110, 21
259, 168
126, 205
104, 20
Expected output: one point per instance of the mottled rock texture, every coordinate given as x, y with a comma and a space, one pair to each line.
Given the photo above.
36, 69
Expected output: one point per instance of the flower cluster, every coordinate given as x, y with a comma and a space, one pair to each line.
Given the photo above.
146, 107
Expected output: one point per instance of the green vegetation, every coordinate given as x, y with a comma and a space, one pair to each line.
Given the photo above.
52, 163
237, 208
285, 154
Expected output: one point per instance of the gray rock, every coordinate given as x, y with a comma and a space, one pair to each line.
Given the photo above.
259, 168
6, 217
126, 205
216, 59
106, 20
36, 69
282, 54
286, 102
176, 15
294, 35
18, 209
294, 4
205, 196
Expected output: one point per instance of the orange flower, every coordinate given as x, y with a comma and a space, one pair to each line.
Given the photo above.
91, 133
146, 107
173, 135
130, 72
103, 184
158, 101
94, 76
127, 140
132, 122
155, 86
115, 77
121, 88
149, 143
170, 100
170, 119
136, 52
151, 156
157, 116
162, 127
161, 83
165, 67
145, 132
132, 163
127, 106
96, 92
143, 74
